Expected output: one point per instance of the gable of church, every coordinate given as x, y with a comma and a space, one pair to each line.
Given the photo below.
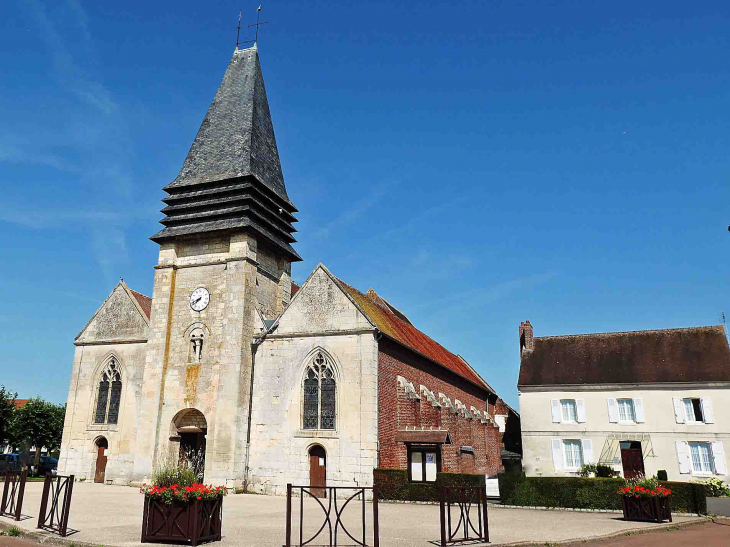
321, 306
119, 319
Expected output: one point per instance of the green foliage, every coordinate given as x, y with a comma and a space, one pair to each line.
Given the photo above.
7, 414
662, 475
168, 473
586, 469
40, 423
649, 483
392, 484
599, 470
583, 493
715, 487
14, 531
183, 494
606, 472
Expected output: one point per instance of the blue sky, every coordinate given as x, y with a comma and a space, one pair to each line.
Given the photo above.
477, 163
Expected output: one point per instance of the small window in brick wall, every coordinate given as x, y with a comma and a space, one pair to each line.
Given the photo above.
424, 462
319, 410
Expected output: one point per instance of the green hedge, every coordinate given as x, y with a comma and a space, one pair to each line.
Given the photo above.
584, 493
392, 484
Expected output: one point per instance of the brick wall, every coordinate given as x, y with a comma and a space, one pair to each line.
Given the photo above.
437, 398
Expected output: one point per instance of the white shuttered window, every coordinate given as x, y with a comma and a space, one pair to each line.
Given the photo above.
626, 410
573, 451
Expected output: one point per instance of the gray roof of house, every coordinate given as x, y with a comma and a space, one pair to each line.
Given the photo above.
231, 178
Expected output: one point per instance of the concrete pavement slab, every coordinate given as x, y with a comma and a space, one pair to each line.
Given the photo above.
112, 516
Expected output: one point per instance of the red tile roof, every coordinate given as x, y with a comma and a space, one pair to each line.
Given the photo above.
401, 330
145, 302
20, 403
294, 289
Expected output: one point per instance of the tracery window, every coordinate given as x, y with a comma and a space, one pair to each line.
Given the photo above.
319, 394
109, 395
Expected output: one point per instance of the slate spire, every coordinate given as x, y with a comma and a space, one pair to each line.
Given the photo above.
232, 177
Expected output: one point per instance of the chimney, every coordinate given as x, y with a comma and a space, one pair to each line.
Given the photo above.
526, 341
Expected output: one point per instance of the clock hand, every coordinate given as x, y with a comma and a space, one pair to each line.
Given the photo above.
197, 300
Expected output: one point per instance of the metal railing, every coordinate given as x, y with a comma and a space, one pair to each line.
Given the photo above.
332, 513
58, 491
468, 500
12, 502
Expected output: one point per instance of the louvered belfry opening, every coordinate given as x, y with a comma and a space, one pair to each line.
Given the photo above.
232, 179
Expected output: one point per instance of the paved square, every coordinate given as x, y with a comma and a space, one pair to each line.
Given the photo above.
112, 515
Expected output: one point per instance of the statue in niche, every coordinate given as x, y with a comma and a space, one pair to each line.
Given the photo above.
196, 339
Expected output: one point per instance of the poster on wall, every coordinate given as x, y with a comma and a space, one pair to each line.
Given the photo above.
430, 466
416, 466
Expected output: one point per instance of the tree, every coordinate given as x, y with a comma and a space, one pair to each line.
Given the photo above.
40, 423
7, 412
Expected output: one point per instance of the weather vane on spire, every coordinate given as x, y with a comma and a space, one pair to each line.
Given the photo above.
258, 23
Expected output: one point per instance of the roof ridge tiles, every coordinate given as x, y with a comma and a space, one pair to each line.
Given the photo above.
647, 331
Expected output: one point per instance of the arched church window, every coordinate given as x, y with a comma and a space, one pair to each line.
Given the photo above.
110, 394
319, 394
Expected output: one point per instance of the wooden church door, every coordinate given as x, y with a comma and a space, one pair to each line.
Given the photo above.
317, 471
101, 447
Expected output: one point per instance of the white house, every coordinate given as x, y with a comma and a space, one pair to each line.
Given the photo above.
638, 402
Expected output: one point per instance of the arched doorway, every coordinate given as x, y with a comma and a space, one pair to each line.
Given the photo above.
189, 429
318, 471
102, 447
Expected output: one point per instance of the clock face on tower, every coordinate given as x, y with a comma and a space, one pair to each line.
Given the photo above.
199, 299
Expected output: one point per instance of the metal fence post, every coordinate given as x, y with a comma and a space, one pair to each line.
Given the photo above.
288, 515
484, 515
4, 502
44, 501
376, 525
67, 504
442, 509
21, 491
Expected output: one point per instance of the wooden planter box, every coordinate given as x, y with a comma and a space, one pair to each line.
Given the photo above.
188, 523
651, 509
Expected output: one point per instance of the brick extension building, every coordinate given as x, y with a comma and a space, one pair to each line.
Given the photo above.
273, 383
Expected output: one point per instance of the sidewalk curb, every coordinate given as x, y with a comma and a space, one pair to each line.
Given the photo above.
46, 538
575, 510
629, 532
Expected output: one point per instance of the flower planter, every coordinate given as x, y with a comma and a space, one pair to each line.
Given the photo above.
182, 522
655, 509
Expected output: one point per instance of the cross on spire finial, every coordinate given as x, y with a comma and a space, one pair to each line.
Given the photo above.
238, 32
258, 23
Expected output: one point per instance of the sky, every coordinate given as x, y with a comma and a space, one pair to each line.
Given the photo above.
477, 163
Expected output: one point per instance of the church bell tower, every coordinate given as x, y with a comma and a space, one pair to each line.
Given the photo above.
225, 257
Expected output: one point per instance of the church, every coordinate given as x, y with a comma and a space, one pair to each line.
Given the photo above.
257, 380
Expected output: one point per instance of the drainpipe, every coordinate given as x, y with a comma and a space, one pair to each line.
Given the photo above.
254, 347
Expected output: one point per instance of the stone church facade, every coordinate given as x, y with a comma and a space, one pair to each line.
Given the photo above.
230, 360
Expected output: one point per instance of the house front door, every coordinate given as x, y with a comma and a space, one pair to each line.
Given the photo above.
632, 459
317, 471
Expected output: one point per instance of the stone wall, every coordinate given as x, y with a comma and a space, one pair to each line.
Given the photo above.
117, 330
219, 384
320, 318
80, 433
